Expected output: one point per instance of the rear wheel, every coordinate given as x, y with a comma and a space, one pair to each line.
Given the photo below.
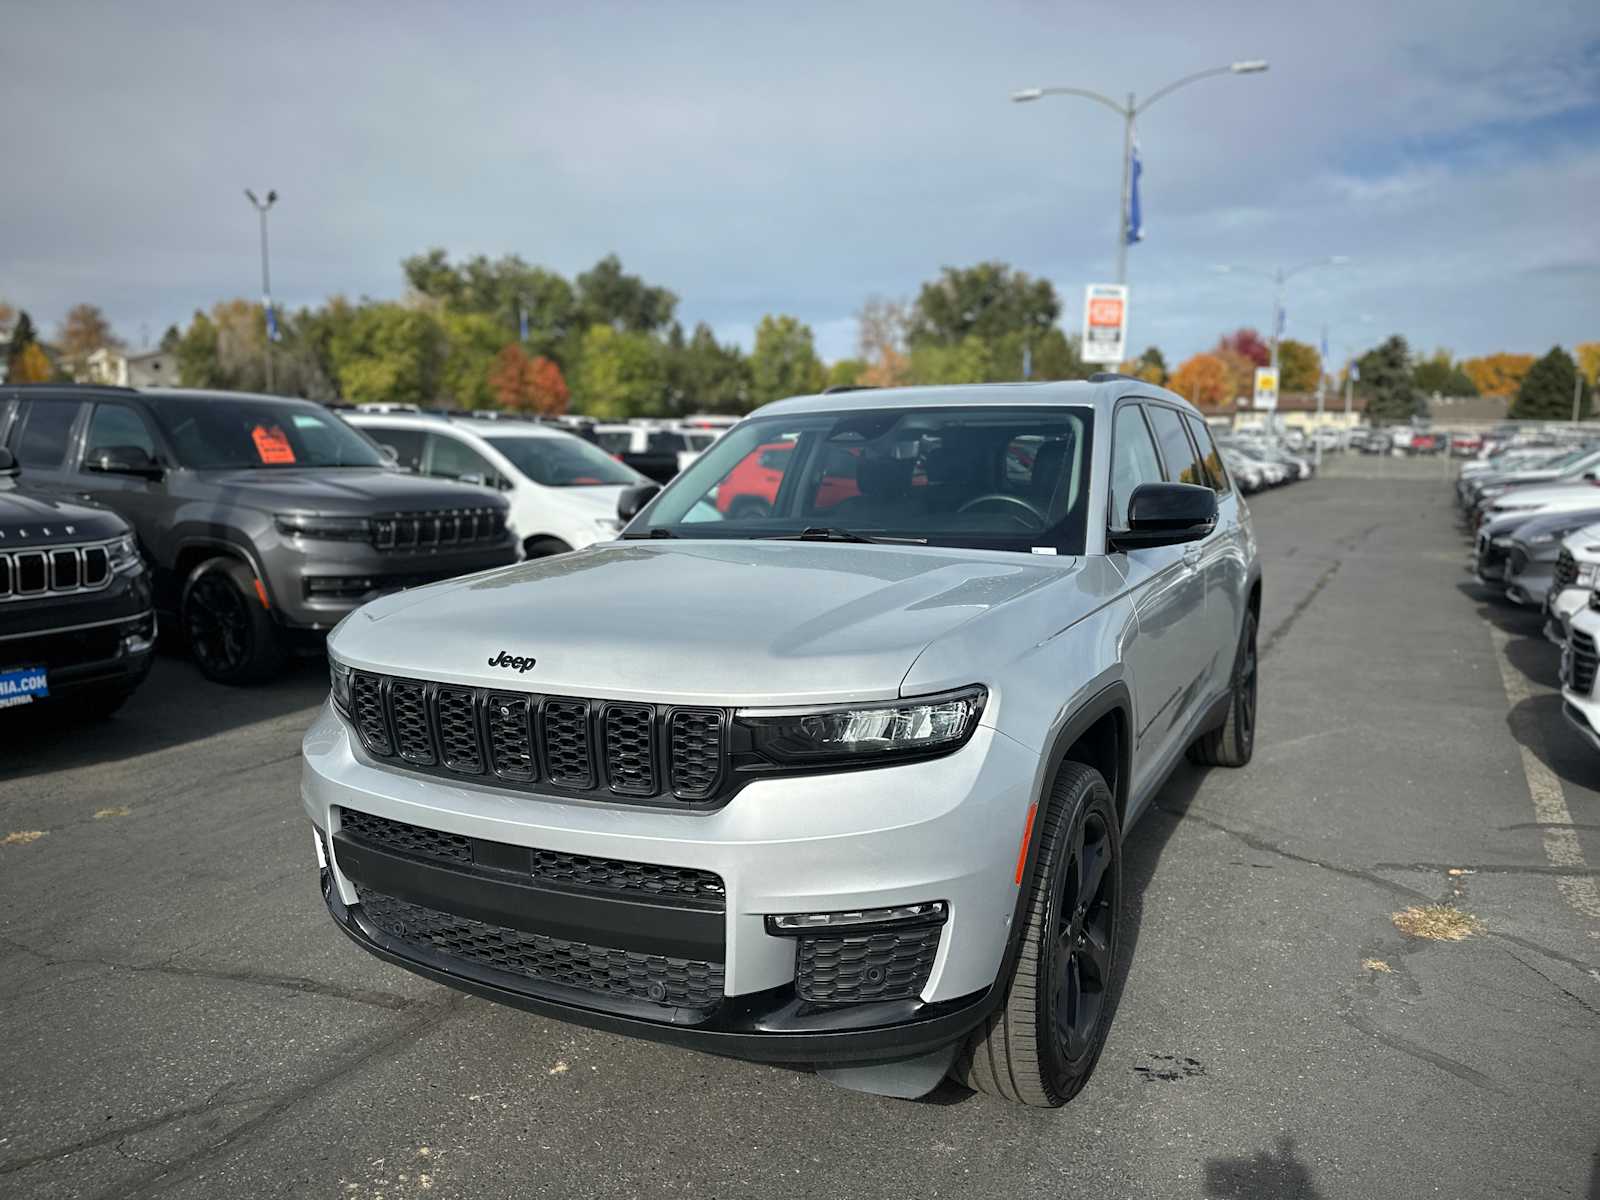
229, 631
1233, 742
1040, 1046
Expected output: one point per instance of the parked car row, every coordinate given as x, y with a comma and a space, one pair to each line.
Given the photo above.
1257, 461
1535, 518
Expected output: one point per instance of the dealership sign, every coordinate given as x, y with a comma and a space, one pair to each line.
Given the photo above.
1105, 323
1266, 388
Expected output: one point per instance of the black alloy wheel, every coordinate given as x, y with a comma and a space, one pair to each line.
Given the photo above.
1083, 924
217, 624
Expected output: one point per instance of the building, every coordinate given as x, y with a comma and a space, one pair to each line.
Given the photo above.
1298, 410
154, 368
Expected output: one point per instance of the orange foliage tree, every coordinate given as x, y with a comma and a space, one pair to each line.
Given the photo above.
1497, 374
1205, 381
525, 383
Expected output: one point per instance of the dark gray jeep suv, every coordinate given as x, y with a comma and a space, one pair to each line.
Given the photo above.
266, 520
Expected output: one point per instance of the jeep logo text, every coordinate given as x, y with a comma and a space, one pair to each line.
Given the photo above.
513, 662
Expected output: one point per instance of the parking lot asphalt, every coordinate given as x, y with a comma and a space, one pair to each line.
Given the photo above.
178, 1017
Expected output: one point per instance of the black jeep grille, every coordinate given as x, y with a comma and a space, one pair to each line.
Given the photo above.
1566, 571
690, 885
450, 529
633, 751
1585, 660
654, 978
880, 964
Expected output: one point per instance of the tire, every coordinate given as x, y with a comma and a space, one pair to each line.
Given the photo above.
1233, 742
544, 547
1023, 1052
228, 630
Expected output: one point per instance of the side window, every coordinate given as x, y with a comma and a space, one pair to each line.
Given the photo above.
43, 441
667, 443
450, 458
1176, 449
1210, 459
8, 409
118, 427
406, 443
1133, 461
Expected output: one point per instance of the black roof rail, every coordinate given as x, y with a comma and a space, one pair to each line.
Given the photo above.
1108, 376
55, 386
849, 387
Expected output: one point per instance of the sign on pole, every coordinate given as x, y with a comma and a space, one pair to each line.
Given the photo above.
1266, 389
1105, 323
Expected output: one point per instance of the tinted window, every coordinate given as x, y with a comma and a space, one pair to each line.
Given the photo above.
1133, 461
667, 443
217, 431
615, 441
43, 442
451, 458
558, 461
991, 477
1176, 449
118, 427
1210, 459
406, 443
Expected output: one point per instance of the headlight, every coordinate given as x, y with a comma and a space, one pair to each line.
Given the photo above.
328, 529
339, 674
1585, 575
862, 733
123, 555
1504, 541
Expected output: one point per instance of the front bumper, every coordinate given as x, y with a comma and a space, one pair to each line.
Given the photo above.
946, 829
1559, 609
1531, 585
314, 585
1580, 670
103, 639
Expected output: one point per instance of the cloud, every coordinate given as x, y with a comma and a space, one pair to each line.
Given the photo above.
760, 158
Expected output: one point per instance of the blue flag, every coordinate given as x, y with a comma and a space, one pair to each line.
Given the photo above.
1134, 230
272, 321
522, 316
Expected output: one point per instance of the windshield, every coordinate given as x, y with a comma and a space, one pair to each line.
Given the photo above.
216, 431
984, 477
558, 461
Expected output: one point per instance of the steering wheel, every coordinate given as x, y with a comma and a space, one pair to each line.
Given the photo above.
1002, 497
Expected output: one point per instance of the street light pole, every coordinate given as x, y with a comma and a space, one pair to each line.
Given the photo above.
1278, 277
1129, 112
266, 277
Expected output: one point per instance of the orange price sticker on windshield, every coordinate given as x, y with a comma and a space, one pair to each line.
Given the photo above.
271, 444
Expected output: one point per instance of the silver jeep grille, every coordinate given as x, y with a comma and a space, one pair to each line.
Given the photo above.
54, 571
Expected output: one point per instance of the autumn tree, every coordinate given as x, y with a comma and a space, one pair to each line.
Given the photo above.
548, 387
1546, 392
1589, 361
1497, 374
1205, 381
29, 365
1249, 344
8, 317
1299, 366
784, 361
530, 384
881, 342
84, 330
22, 336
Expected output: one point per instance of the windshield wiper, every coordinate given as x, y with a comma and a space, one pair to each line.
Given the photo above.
655, 531
832, 533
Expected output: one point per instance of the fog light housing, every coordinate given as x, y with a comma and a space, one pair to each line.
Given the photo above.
139, 636
929, 912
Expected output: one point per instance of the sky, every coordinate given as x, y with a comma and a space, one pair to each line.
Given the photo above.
760, 157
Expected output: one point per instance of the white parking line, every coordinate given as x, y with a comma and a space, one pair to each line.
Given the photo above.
1561, 845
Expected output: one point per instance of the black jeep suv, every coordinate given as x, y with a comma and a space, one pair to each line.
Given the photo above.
76, 621
266, 520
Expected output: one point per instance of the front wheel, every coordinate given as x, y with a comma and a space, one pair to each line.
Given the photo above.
229, 631
1233, 742
1040, 1046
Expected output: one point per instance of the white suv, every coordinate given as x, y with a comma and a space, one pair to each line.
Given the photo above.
563, 490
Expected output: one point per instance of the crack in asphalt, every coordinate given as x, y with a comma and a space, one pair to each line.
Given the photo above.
1573, 996
1488, 868
1362, 1024
120, 1133
1283, 626
293, 983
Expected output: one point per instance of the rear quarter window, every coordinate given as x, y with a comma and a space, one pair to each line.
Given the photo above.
46, 427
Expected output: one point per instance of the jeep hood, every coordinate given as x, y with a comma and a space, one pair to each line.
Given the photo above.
342, 491
745, 622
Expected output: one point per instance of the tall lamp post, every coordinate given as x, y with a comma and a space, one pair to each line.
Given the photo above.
266, 277
1278, 278
1129, 112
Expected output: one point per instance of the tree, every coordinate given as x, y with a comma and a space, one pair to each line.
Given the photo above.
1152, 365
881, 342
549, 388
621, 374
1299, 366
784, 362
171, 339
503, 290
970, 361
85, 330
609, 296
1589, 361
1386, 379
706, 375
989, 300
1440, 373
528, 384
22, 336
1248, 344
1497, 374
1205, 381
1546, 391
29, 365
8, 318
391, 354
847, 372
472, 340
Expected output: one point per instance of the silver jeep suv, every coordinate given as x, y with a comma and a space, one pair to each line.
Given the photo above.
830, 758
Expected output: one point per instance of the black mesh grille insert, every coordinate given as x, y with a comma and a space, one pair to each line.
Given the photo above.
403, 838
1566, 570
511, 738
566, 743
670, 982
366, 709
1585, 661
408, 706
695, 748
459, 746
630, 749
886, 964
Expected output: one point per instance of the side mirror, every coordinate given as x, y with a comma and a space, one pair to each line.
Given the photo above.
1167, 514
124, 460
8, 464
632, 500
